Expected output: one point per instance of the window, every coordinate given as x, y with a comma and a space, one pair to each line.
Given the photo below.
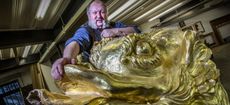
10, 94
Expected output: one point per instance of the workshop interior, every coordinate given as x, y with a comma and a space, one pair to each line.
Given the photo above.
33, 35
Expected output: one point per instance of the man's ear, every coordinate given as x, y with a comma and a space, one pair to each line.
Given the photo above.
88, 14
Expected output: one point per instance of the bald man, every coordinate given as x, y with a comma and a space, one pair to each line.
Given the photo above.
83, 39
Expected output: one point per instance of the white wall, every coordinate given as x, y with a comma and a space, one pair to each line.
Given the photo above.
224, 30
208, 16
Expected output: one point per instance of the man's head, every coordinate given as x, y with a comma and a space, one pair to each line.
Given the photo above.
97, 15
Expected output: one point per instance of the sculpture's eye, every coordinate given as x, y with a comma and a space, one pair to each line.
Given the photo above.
143, 48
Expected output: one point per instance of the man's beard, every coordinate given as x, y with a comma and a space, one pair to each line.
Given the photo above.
93, 25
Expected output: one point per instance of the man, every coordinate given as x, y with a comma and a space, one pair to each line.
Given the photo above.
82, 41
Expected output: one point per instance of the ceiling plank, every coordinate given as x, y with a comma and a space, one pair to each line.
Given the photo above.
11, 39
17, 62
9, 63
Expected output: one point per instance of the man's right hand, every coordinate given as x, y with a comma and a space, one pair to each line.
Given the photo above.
58, 67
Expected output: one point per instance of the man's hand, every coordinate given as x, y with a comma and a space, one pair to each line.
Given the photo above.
108, 33
58, 67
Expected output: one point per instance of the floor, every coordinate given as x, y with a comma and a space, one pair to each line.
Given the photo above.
221, 56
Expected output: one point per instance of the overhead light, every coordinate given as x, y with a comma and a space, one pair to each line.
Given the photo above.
43, 6
26, 51
0, 54
36, 48
12, 53
129, 9
122, 8
169, 10
112, 4
152, 10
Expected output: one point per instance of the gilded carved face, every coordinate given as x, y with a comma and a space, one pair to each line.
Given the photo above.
166, 62
163, 67
146, 58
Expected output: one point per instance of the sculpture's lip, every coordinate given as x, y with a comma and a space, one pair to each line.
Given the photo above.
141, 62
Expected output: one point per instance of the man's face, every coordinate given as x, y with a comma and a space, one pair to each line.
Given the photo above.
97, 16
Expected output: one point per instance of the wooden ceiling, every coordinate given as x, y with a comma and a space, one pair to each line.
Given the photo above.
21, 32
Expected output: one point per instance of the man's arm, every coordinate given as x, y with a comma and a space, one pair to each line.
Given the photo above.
117, 32
69, 54
126, 31
71, 50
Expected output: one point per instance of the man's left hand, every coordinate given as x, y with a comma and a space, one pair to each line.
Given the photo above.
108, 33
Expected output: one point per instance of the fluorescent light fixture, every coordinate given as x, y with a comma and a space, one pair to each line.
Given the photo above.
0, 54
128, 9
38, 48
112, 4
22, 61
122, 8
43, 6
26, 51
168, 10
34, 47
152, 10
12, 53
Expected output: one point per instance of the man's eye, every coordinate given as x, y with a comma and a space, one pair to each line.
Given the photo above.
94, 12
143, 48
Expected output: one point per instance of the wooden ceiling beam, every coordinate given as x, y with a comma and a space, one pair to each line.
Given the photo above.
10, 39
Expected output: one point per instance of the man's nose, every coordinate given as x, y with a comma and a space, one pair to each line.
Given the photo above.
99, 15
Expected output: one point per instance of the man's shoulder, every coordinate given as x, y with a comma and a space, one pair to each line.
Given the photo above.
82, 29
84, 25
112, 23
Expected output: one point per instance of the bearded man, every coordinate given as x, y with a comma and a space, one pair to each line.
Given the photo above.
90, 32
